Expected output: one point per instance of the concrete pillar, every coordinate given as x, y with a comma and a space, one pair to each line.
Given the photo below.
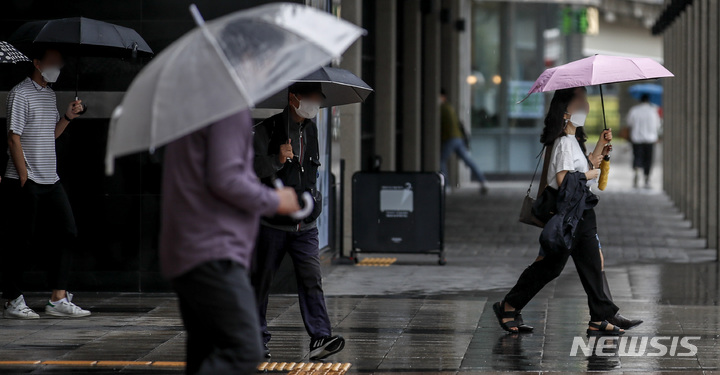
431, 86
574, 44
695, 108
385, 95
669, 58
712, 123
412, 86
463, 13
683, 130
507, 58
671, 102
702, 148
350, 135
449, 71
686, 74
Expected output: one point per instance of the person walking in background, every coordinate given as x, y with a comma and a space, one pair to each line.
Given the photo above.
453, 142
211, 207
287, 148
35, 203
644, 123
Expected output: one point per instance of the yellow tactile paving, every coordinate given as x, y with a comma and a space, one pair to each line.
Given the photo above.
60, 363
304, 368
377, 262
168, 364
16, 363
124, 363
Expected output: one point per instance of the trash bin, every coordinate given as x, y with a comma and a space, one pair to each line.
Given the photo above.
398, 213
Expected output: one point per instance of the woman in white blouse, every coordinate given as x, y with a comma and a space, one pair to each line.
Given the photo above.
564, 133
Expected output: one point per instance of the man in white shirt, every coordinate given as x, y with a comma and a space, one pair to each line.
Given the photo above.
644, 123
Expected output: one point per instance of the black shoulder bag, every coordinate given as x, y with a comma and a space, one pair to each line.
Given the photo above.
538, 211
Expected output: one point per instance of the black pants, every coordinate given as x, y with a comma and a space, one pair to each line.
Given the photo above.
586, 256
217, 305
643, 156
272, 244
35, 215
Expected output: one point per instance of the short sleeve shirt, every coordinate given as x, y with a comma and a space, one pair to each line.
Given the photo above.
566, 156
32, 114
645, 122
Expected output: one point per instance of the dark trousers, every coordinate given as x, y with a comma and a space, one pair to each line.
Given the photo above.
272, 244
643, 156
586, 256
35, 215
217, 305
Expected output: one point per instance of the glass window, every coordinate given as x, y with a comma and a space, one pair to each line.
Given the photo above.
485, 79
527, 63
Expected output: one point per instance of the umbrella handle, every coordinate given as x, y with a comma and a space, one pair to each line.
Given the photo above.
85, 108
309, 203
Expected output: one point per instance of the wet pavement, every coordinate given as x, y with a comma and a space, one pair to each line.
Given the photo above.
415, 316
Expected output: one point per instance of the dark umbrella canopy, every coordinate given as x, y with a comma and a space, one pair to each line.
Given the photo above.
82, 37
339, 86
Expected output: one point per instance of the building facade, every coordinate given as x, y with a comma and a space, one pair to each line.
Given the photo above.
691, 35
411, 50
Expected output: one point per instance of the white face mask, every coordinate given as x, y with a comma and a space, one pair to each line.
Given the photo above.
578, 118
50, 74
307, 109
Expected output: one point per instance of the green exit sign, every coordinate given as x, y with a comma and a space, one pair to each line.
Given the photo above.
579, 21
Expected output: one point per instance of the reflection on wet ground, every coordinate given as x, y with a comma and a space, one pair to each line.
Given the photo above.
417, 317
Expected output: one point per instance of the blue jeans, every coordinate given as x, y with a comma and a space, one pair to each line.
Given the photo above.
457, 146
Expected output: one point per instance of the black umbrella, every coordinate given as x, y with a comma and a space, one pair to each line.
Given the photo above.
8, 54
82, 36
339, 86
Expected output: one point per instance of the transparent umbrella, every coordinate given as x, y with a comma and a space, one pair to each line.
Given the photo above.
223, 67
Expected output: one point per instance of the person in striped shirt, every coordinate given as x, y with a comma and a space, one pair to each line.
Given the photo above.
35, 203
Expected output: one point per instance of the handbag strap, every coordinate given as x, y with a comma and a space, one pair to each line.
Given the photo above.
535, 172
546, 165
543, 175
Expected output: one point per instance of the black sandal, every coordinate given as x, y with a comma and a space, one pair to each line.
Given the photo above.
522, 327
516, 323
602, 329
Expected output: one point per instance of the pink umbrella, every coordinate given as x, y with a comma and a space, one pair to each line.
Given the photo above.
596, 70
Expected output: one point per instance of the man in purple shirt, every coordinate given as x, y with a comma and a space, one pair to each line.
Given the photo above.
211, 206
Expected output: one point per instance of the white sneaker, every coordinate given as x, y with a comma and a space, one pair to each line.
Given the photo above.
65, 308
17, 309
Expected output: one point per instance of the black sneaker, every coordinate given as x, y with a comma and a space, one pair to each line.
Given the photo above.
326, 346
266, 351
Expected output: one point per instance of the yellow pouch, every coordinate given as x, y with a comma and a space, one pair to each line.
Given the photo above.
604, 173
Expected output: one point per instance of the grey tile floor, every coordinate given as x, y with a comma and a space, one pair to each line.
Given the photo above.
417, 317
